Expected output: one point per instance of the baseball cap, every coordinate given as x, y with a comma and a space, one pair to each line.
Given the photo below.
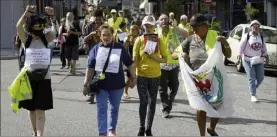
171, 14
121, 11
197, 20
113, 11
255, 22
149, 20
183, 17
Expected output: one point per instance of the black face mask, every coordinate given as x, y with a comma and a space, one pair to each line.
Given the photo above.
37, 32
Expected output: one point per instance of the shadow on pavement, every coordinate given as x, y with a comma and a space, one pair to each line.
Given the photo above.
187, 115
136, 100
267, 101
245, 121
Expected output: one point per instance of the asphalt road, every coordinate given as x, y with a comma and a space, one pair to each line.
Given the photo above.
72, 116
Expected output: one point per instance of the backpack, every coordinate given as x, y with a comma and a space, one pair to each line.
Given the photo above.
248, 36
37, 74
16, 41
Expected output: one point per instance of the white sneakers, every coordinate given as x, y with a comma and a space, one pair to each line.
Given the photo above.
254, 99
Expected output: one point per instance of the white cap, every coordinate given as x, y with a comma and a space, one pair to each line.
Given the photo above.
171, 14
149, 20
255, 22
183, 17
113, 11
90, 8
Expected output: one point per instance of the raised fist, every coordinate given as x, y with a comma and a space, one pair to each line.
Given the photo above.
31, 8
49, 11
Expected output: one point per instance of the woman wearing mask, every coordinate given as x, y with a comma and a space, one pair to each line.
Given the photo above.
129, 44
112, 82
72, 32
148, 72
34, 38
252, 45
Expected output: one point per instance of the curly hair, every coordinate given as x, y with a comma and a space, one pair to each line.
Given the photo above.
33, 20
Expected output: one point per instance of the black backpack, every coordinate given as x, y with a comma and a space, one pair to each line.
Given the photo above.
16, 41
248, 36
37, 74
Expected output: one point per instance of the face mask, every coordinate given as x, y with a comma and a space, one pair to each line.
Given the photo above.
37, 32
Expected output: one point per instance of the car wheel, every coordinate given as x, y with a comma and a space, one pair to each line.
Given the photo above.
240, 67
226, 61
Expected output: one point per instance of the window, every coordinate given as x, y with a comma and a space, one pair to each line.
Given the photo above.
233, 32
239, 31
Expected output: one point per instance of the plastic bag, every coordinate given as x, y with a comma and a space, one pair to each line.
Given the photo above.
256, 60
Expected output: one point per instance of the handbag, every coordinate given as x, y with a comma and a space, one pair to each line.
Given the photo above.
94, 86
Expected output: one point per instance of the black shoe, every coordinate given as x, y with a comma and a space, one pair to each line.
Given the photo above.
212, 132
148, 132
90, 100
141, 131
165, 114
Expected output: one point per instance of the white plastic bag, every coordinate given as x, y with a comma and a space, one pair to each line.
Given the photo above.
256, 60
208, 87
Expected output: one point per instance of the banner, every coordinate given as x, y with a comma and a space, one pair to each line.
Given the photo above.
208, 87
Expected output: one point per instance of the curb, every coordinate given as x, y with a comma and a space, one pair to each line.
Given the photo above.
8, 57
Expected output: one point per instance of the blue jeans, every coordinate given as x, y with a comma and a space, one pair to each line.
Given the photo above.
255, 75
114, 98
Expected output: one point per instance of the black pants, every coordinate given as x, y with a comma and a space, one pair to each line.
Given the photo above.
62, 54
147, 90
169, 79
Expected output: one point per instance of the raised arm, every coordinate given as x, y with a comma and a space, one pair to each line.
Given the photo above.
20, 24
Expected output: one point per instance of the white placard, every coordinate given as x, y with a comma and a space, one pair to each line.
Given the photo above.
114, 61
122, 36
150, 47
38, 56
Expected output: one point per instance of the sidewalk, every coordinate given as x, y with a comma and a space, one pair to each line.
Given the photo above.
8, 54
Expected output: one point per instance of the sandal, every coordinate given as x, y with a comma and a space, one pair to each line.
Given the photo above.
126, 96
212, 132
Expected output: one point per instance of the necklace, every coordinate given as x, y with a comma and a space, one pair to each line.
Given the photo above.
201, 42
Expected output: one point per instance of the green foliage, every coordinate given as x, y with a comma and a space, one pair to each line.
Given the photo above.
251, 11
173, 6
215, 25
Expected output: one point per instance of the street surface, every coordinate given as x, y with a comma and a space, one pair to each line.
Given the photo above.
72, 116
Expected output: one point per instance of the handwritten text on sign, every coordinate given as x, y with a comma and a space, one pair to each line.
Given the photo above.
38, 56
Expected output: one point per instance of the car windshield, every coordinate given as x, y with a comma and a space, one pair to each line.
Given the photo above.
270, 36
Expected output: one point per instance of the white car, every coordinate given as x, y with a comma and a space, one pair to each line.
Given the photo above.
270, 39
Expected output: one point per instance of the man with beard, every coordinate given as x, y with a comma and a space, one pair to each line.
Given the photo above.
170, 70
92, 37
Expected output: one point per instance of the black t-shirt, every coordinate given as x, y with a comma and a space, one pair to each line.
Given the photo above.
72, 39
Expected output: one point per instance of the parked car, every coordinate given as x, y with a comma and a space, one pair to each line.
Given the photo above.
270, 39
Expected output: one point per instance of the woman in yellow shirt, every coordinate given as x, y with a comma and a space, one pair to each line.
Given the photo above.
148, 73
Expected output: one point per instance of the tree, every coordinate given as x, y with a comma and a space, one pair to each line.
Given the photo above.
250, 12
173, 6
